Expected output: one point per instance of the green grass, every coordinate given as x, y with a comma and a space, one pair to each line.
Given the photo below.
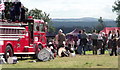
79, 61
90, 52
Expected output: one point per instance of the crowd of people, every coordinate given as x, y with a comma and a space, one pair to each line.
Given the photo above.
98, 43
14, 11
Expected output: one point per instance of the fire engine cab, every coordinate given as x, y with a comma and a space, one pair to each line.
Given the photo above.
21, 39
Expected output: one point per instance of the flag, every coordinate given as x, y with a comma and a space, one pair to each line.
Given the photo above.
2, 6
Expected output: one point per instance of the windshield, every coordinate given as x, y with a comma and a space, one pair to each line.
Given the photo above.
39, 27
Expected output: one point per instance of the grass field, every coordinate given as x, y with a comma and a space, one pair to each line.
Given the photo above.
79, 61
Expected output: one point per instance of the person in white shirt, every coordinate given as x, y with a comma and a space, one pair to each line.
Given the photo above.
114, 44
109, 41
118, 41
100, 42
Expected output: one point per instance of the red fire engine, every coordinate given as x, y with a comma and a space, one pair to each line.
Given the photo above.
22, 38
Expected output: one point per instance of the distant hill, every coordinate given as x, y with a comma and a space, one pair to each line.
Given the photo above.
81, 19
85, 22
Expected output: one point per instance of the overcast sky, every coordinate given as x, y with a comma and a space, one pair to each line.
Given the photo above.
74, 8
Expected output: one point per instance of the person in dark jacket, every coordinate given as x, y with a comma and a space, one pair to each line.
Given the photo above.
79, 49
95, 42
22, 18
104, 44
114, 43
12, 14
17, 7
83, 41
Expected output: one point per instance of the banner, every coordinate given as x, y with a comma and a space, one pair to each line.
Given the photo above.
2, 6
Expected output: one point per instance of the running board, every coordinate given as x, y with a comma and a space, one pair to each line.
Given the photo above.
27, 47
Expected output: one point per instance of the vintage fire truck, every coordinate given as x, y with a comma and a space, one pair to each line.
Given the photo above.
19, 39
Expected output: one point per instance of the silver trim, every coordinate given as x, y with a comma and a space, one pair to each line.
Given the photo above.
21, 53
27, 47
13, 39
24, 53
1, 53
12, 34
13, 27
13, 24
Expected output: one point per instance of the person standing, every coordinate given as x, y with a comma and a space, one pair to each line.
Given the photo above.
100, 42
109, 42
118, 33
75, 38
95, 42
118, 41
12, 14
83, 41
114, 43
89, 42
17, 7
22, 18
71, 44
104, 43
60, 38
79, 49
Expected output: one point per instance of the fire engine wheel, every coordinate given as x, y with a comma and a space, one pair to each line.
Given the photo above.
8, 52
40, 47
37, 51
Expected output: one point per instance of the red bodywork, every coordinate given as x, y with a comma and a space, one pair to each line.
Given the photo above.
23, 42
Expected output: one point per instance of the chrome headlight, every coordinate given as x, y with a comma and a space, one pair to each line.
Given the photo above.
1, 42
36, 39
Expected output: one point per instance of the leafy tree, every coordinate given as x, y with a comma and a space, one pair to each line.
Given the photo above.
38, 14
116, 8
51, 29
101, 24
99, 27
35, 13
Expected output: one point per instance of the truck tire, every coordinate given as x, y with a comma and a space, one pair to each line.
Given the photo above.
8, 52
39, 48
